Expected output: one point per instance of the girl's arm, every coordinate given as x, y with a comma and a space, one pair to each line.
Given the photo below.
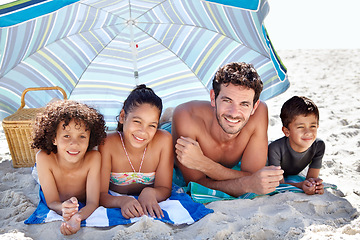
150, 196
130, 207
164, 172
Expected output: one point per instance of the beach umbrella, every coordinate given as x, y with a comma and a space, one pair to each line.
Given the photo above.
98, 50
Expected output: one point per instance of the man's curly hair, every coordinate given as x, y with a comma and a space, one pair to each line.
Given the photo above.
239, 74
47, 121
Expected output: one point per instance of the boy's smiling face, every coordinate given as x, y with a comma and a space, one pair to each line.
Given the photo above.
72, 141
302, 132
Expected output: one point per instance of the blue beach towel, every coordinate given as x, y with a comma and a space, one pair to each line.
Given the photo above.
178, 209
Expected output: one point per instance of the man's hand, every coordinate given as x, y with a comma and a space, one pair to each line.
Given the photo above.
189, 153
265, 180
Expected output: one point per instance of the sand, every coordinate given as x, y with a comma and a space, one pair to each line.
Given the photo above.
329, 77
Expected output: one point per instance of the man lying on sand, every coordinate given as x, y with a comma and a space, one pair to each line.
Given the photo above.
211, 138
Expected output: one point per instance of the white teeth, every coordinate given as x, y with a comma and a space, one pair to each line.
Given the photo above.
140, 139
232, 121
73, 152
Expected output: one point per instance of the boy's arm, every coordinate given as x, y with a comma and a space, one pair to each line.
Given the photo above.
92, 184
313, 173
44, 165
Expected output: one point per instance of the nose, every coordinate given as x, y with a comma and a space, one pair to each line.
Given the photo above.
74, 141
234, 110
308, 131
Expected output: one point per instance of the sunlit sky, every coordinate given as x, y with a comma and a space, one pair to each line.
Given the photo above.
311, 24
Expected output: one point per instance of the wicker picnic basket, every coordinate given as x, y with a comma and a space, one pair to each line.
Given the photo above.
18, 130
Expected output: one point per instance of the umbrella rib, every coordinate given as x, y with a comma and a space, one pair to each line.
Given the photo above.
174, 55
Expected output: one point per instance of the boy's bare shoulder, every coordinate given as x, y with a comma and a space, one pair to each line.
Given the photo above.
43, 158
92, 158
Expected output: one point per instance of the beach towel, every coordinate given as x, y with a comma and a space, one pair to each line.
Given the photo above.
178, 209
202, 194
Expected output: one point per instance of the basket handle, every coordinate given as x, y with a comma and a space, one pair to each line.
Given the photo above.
38, 89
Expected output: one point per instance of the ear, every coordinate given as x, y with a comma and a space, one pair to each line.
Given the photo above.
54, 142
212, 97
286, 131
122, 116
256, 105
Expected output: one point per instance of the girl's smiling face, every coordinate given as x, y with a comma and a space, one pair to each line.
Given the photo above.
72, 141
140, 125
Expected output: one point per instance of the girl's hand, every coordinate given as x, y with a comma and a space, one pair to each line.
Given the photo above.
131, 208
71, 226
69, 208
149, 203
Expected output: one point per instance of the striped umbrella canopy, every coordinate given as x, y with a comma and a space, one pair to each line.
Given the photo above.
98, 50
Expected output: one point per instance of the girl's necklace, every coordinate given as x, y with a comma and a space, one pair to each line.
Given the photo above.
127, 155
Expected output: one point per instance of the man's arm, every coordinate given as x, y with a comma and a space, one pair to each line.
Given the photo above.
189, 154
227, 180
255, 153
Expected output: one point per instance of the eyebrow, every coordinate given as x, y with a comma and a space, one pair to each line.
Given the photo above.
142, 119
302, 123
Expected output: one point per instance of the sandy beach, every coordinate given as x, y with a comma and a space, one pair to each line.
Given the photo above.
331, 78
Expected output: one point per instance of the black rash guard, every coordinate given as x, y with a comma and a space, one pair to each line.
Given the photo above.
281, 154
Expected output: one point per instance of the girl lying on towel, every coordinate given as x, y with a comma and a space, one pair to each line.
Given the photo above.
137, 159
68, 170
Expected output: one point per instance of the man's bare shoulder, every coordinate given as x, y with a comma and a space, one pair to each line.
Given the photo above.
193, 110
260, 116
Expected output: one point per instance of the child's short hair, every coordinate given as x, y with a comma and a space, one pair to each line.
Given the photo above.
296, 106
47, 121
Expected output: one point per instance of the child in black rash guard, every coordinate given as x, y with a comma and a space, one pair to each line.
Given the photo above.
299, 147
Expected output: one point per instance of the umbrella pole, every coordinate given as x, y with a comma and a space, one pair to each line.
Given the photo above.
134, 52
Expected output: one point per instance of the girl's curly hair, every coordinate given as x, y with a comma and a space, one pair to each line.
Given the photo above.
55, 112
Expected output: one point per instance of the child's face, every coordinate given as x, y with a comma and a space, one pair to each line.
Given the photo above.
302, 132
140, 125
72, 142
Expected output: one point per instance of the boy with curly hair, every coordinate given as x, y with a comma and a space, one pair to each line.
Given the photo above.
68, 169
300, 146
